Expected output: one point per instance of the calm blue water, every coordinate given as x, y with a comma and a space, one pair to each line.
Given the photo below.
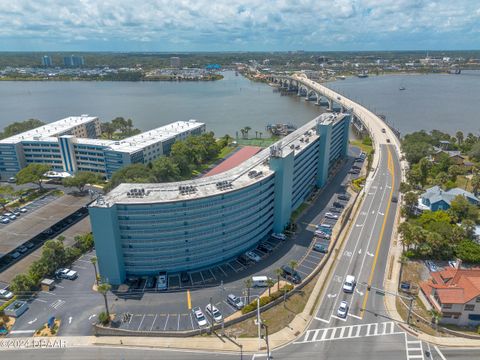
445, 102
435, 101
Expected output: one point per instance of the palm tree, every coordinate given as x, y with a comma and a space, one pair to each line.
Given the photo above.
270, 283
475, 182
247, 129
243, 133
248, 285
293, 264
260, 134
93, 260
103, 289
279, 273
436, 316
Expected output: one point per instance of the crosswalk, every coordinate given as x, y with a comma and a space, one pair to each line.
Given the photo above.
414, 349
57, 304
349, 332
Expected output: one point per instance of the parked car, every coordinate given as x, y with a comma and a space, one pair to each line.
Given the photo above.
338, 205
349, 284
29, 245
291, 274
342, 310
394, 199
199, 317
162, 281
343, 197
259, 281
335, 210
252, 256
359, 159
431, 266
211, 310
322, 234
453, 263
354, 171
5, 294
184, 278
64, 273
242, 259
16, 255
323, 248
325, 230
150, 283
23, 210
266, 247
23, 249
12, 180
279, 236
5, 220
330, 215
235, 301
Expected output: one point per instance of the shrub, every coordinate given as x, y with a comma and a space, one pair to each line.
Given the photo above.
103, 318
4, 305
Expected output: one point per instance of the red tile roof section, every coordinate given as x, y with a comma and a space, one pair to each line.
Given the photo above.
453, 286
234, 160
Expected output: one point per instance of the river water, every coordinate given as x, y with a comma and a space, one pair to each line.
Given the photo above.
444, 102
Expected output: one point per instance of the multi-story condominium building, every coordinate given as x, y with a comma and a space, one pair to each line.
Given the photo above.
141, 229
71, 145
73, 61
47, 61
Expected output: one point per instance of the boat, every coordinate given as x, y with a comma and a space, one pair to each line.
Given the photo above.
401, 88
341, 77
362, 75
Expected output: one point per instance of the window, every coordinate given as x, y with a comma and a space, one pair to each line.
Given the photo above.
478, 299
469, 307
447, 306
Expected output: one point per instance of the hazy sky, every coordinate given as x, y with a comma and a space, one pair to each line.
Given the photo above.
217, 25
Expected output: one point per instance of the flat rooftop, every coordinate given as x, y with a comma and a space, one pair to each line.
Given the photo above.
140, 141
49, 131
234, 160
238, 177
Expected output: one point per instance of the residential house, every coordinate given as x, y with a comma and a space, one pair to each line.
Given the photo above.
455, 156
435, 198
456, 294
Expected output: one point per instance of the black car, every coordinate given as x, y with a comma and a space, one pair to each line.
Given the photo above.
343, 197
394, 199
150, 283
291, 275
335, 210
184, 278
338, 205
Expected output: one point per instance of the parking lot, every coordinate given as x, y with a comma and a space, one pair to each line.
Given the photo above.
144, 309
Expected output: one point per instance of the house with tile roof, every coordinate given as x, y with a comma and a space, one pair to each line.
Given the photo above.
435, 198
456, 294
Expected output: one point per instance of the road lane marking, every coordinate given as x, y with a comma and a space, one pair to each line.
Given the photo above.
355, 316
382, 231
439, 352
22, 331
323, 320
189, 300
32, 321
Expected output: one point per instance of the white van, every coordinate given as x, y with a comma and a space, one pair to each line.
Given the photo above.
259, 281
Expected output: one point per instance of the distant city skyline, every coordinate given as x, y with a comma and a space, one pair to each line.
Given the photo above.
234, 25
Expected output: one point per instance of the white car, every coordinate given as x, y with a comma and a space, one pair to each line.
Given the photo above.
279, 236
330, 215
162, 283
64, 273
5, 294
23, 210
213, 312
349, 284
201, 319
342, 310
322, 234
252, 256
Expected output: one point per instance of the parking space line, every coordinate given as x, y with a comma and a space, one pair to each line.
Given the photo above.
178, 323
79, 267
224, 273
309, 261
304, 273
43, 301
230, 306
84, 261
211, 272
233, 267
306, 266
141, 322
202, 277
191, 320
130, 320
153, 323
166, 322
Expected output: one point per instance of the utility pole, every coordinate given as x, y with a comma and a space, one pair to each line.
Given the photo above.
222, 289
266, 340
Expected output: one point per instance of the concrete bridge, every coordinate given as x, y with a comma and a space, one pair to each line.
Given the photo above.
361, 116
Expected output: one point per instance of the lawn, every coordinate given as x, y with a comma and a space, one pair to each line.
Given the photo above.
365, 148
257, 142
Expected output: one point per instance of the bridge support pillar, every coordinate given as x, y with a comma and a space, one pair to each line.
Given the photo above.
330, 105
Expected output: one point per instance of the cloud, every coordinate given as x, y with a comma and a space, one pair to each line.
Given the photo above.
183, 25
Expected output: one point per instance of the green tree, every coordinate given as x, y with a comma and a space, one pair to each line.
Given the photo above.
270, 283
475, 151
475, 183
93, 260
411, 202
293, 264
164, 169
248, 285
441, 179
108, 129
247, 129
133, 173
22, 284
278, 272
468, 251
19, 127
103, 289
81, 179
33, 173
53, 253
436, 316
462, 209
5, 193
460, 137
